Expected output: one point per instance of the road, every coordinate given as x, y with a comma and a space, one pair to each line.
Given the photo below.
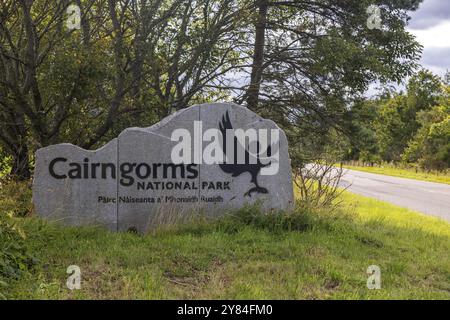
426, 197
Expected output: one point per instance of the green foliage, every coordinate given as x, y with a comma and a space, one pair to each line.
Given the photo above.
15, 200
439, 144
423, 92
430, 148
299, 219
360, 121
132, 65
15, 197
409, 127
14, 257
390, 129
397, 122
5, 163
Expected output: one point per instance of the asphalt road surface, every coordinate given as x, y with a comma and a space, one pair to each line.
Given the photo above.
426, 197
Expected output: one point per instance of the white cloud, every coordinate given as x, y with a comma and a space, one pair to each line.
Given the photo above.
434, 37
436, 43
429, 14
430, 24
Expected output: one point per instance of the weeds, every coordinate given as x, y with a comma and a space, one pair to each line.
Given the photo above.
298, 219
14, 258
15, 197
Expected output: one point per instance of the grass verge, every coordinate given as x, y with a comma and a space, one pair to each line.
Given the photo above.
405, 173
308, 254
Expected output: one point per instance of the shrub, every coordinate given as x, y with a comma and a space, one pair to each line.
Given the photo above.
15, 197
298, 219
14, 258
318, 184
301, 218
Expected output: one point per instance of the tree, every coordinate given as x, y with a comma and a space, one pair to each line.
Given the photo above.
430, 147
135, 62
360, 121
397, 122
131, 62
311, 59
391, 131
309, 47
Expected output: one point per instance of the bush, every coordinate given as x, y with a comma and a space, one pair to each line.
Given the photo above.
301, 218
430, 147
318, 184
15, 197
14, 258
298, 219
5, 163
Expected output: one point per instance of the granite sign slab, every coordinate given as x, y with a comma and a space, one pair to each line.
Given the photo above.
211, 157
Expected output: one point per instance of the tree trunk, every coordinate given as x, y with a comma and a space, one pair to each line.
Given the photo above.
258, 55
21, 163
85, 24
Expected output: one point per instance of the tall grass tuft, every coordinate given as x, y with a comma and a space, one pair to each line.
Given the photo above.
169, 217
15, 197
299, 219
14, 257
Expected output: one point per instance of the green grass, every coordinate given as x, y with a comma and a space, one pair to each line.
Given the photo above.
443, 177
309, 254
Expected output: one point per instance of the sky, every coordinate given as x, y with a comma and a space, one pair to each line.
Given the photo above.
431, 26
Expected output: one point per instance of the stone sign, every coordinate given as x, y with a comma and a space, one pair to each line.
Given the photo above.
211, 157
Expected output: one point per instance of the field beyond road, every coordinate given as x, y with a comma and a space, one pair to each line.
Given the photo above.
310, 254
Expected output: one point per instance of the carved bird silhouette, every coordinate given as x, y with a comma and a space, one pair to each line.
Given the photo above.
235, 168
